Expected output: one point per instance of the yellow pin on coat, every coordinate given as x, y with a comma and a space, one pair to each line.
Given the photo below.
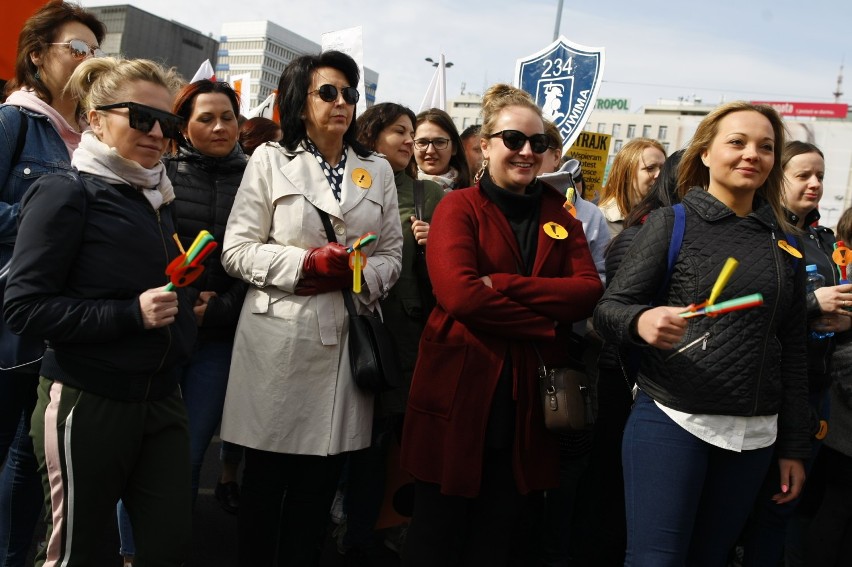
555, 231
362, 178
791, 250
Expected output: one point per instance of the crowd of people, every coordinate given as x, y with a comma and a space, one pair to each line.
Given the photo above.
713, 440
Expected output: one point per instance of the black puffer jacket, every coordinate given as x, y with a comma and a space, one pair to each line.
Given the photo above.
205, 188
749, 362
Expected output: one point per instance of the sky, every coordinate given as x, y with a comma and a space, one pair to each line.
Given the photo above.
714, 50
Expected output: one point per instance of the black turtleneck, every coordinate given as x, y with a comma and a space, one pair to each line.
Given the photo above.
522, 212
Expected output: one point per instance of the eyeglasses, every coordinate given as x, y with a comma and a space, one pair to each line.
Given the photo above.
143, 117
515, 140
80, 49
437, 143
328, 93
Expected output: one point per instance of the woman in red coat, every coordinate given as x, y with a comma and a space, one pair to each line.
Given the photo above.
510, 268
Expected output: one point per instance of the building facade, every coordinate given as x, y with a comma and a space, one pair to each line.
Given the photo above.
262, 49
134, 33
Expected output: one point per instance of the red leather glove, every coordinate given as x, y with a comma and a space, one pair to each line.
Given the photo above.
331, 260
317, 285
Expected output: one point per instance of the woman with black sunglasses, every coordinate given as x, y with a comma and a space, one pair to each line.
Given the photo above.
40, 127
511, 271
89, 274
292, 401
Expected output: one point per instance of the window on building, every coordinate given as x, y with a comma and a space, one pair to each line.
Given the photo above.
666, 147
646, 131
662, 132
616, 130
631, 130
617, 146
601, 127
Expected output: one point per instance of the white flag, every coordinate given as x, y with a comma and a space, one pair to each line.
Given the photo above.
436, 94
242, 85
204, 72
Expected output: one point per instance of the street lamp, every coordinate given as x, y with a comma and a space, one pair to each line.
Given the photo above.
435, 63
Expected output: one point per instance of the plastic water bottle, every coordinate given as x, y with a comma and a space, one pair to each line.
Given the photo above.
816, 281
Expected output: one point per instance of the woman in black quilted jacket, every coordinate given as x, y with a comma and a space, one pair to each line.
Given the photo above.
716, 394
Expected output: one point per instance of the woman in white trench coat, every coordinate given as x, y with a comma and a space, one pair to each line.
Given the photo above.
291, 399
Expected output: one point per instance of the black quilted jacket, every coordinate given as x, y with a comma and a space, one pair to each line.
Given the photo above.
749, 362
205, 188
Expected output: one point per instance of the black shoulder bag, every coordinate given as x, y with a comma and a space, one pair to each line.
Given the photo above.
424, 284
372, 353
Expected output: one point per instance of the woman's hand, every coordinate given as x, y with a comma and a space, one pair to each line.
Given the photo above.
159, 307
331, 260
792, 480
661, 327
834, 298
201, 306
420, 230
832, 323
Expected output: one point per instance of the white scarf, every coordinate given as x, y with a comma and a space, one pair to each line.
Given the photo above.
447, 181
95, 157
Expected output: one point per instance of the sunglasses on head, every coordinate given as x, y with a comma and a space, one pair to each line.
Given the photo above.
80, 49
515, 140
328, 93
143, 117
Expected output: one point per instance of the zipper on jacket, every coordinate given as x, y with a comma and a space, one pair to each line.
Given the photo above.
702, 339
168, 330
774, 246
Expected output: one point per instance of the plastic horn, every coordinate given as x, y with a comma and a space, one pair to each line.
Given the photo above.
745, 302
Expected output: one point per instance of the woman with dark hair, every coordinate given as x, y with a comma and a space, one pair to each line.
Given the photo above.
503, 257
292, 401
388, 129
715, 394
256, 131
804, 169
40, 127
439, 151
109, 423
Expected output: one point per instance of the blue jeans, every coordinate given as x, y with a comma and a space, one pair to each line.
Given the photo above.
21, 491
203, 387
687, 501
765, 540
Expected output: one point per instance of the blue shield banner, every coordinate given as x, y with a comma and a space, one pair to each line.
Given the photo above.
563, 79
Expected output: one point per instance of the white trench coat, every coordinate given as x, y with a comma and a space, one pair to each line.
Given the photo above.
290, 389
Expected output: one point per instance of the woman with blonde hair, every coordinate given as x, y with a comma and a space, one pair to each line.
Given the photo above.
635, 168
503, 255
89, 274
717, 394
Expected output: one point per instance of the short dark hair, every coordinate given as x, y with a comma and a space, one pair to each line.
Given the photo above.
377, 118
185, 99
38, 33
470, 131
293, 95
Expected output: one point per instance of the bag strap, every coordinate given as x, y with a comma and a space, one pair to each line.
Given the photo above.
419, 198
674, 248
329, 233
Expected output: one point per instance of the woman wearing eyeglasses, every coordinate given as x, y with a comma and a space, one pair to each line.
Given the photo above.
503, 256
88, 274
635, 168
292, 401
439, 151
40, 127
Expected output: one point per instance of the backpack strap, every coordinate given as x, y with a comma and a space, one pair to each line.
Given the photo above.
674, 248
791, 240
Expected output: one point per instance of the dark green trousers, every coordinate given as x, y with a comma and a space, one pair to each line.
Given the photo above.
94, 450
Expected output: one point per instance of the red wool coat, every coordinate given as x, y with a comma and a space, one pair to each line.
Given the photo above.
464, 344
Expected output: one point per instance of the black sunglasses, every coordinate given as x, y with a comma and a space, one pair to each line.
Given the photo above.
515, 140
329, 94
143, 117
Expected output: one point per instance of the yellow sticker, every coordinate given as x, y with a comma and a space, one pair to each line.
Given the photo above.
555, 231
823, 430
791, 250
362, 178
842, 256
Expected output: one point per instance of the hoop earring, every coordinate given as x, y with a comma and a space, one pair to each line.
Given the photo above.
481, 171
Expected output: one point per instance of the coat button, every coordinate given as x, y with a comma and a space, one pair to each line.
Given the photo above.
27, 171
340, 229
